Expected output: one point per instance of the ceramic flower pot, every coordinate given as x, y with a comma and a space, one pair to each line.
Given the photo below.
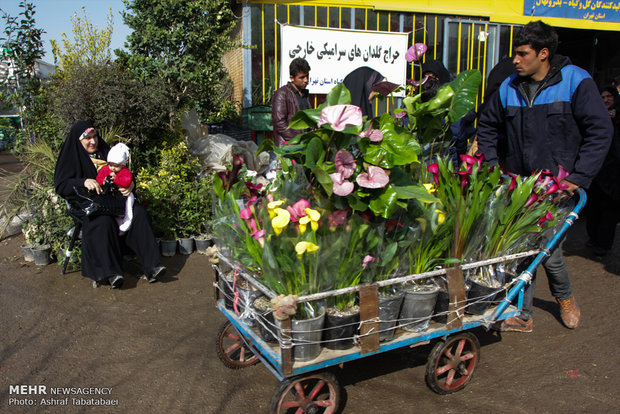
41, 254
186, 245
339, 329
168, 248
389, 309
418, 306
27, 250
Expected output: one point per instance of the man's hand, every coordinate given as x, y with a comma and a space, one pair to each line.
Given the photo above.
125, 191
92, 185
570, 187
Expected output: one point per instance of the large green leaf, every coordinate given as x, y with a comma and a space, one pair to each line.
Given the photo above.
314, 152
465, 88
385, 204
308, 118
398, 146
339, 95
322, 176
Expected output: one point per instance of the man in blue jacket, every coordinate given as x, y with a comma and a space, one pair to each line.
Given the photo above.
552, 115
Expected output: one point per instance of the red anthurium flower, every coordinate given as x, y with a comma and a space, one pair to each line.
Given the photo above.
434, 169
376, 177
464, 176
345, 163
415, 52
298, 209
341, 187
337, 218
341, 116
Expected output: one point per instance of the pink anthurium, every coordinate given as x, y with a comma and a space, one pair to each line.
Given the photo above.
415, 52
298, 209
341, 116
341, 187
375, 135
345, 163
376, 177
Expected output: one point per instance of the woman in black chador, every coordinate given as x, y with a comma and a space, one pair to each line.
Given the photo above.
81, 155
359, 83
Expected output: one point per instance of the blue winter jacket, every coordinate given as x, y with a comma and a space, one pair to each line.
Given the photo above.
565, 124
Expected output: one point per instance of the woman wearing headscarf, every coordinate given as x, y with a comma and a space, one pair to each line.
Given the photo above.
81, 155
359, 83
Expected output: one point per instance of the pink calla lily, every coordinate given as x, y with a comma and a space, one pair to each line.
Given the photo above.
464, 176
562, 173
376, 177
298, 209
367, 260
513, 182
345, 163
533, 198
434, 169
341, 187
341, 116
415, 52
246, 213
547, 216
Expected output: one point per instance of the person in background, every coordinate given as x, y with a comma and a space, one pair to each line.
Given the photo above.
552, 116
288, 100
359, 83
603, 208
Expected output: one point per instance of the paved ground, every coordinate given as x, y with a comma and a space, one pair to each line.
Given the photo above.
154, 346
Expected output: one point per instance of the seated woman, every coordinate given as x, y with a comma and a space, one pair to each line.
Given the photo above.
81, 155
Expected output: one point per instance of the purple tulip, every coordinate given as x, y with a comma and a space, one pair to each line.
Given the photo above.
376, 177
415, 52
341, 116
345, 163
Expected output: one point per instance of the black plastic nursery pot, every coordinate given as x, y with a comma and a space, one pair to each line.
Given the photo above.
339, 330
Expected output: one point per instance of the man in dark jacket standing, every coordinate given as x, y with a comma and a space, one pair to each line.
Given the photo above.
552, 115
289, 99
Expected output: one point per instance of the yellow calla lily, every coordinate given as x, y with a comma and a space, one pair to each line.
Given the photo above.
272, 206
304, 246
441, 216
422, 223
280, 220
430, 187
312, 217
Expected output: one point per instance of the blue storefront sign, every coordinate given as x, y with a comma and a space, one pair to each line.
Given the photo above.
600, 11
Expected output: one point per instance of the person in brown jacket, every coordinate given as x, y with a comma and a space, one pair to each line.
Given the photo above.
289, 99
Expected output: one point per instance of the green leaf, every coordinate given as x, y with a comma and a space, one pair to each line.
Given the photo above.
339, 95
398, 146
465, 88
417, 192
314, 152
324, 179
308, 118
385, 204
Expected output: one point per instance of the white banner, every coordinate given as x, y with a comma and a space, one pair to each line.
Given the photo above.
334, 53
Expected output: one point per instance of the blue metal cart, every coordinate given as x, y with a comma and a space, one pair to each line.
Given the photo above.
308, 386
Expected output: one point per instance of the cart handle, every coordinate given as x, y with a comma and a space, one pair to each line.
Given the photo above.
527, 274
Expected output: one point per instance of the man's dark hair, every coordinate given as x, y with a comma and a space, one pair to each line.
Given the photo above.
538, 35
298, 65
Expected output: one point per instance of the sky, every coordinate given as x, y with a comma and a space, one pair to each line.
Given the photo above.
54, 16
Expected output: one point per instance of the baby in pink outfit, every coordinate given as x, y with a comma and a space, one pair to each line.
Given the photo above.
117, 173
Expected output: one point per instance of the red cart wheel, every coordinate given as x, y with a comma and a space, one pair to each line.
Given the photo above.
315, 393
231, 349
452, 363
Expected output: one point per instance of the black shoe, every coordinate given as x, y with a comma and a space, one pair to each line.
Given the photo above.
116, 281
157, 272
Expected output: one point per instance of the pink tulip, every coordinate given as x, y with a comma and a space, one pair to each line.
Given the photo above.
341, 116
345, 163
376, 135
415, 52
337, 218
434, 169
376, 177
298, 209
341, 187
367, 260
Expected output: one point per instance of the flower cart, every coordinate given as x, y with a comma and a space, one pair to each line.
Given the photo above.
309, 386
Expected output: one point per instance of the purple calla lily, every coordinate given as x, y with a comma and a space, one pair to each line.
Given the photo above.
341, 116
376, 177
415, 52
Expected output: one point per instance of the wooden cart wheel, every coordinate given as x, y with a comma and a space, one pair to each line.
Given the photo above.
231, 349
315, 393
452, 363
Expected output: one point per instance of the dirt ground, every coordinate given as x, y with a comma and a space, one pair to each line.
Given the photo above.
153, 347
